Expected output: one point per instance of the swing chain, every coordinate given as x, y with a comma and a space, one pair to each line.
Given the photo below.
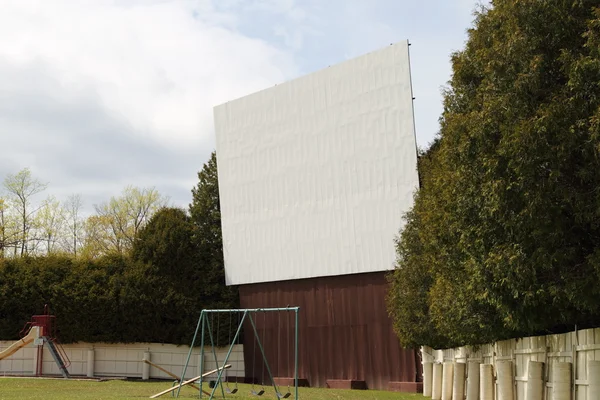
227, 388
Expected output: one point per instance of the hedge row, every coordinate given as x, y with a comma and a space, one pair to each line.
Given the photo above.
113, 299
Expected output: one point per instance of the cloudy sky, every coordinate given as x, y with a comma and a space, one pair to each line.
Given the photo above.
99, 94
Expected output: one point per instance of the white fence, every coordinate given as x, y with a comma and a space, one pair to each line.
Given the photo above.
121, 360
554, 367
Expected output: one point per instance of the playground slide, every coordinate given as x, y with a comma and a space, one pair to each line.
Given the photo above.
33, 334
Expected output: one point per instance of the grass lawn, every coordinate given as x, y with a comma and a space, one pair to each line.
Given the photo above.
58, 389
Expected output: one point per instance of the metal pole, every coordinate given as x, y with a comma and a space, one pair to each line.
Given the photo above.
212, 345
296, 357
251, 310
189, 354
237, 333
202, 354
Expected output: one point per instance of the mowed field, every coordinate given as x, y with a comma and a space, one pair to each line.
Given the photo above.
58, 389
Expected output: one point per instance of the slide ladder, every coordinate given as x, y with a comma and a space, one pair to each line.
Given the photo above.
57, 356
39, 331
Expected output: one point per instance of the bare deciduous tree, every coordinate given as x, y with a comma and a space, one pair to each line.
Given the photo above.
122, 217
74, 222
20, 189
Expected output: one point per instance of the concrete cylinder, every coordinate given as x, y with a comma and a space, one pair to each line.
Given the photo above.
535, 380
90, 363
146, 367
473, 380
458, 387
561, 381
593, 378
200, 365
436, 385
486, 382
36, 355
447, 380
427, 378
505, 380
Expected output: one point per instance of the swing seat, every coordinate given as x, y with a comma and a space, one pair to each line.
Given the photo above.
283, 396
232, 391
259, 393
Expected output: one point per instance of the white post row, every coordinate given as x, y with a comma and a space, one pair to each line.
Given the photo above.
455, 380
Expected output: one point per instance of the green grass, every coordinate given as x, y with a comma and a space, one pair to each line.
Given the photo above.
58, 389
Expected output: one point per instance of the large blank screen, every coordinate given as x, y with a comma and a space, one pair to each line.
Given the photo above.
316, 173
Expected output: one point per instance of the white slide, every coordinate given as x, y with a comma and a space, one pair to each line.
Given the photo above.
33, 334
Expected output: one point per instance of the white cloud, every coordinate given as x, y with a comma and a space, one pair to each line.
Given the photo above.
98, 94
153, 64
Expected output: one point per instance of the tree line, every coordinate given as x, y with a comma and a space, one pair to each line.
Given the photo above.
503, 239
150, 272
29, 226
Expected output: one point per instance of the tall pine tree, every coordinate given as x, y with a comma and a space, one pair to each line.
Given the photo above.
504, 236
205, 211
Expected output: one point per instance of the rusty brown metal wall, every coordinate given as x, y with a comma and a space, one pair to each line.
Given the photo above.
344, 330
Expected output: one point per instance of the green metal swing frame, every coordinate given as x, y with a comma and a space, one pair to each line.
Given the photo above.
204, 325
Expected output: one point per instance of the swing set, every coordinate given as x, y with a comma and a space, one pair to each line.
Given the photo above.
206, 322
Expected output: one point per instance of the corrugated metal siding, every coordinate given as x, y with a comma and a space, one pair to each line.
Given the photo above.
316, 173
344, 329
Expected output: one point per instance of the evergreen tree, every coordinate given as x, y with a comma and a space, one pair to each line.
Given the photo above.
504, 234
166, 243
205, 211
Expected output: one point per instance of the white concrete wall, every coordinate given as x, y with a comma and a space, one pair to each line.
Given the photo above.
22, 362
577, 348
121, 360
